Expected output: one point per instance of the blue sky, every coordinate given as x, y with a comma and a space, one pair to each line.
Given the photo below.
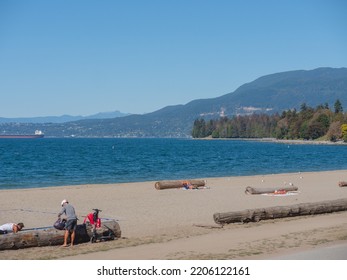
83, 57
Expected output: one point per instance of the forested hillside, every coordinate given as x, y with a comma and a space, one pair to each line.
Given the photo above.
308, 123
270, 94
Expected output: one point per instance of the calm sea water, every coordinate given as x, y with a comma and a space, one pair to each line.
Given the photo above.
30, 163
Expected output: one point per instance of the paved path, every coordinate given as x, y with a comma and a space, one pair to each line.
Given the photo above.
334, 252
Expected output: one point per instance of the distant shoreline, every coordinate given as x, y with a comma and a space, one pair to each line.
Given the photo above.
274, 140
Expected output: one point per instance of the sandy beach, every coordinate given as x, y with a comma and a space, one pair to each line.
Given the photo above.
178, 224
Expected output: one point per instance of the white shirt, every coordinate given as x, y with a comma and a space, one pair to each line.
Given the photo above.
7, 227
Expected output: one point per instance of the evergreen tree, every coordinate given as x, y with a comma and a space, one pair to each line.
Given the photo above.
338, 107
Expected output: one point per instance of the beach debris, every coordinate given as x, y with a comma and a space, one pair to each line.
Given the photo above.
49, 236
279, 190
176, 184
342, 184
281, 193
220, 226
255, 215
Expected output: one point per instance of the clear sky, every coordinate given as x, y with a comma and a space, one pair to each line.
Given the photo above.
81, 57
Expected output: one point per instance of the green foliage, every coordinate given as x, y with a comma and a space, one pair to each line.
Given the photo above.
338, 107
309, 123
344, 132
199, 129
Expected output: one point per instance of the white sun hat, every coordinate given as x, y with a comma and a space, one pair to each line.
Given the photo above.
64, 201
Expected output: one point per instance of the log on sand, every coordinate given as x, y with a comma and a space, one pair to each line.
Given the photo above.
162, 185
50, 236
255, 215
342, 184
251, 190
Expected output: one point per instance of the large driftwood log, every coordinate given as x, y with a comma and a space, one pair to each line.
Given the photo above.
255, 215
162, 185
50, 236
342, 184
251, 190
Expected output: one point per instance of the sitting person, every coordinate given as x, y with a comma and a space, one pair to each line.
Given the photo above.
11, 227
188, 186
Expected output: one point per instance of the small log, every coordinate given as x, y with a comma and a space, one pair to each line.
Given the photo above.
49, 236
255, 215
162, 185
209, 226
342, 184
251, 190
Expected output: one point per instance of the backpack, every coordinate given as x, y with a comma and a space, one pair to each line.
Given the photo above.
60, 224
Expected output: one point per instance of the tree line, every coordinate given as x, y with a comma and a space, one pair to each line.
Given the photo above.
308, 123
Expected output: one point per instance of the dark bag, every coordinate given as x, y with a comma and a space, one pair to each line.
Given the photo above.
60, 224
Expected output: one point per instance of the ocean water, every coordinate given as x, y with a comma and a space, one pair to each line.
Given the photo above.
31, 163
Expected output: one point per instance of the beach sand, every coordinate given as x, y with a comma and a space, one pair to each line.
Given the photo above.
178, 224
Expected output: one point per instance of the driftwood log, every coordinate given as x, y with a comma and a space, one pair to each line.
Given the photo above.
162, 185
50, 236
251, 190
255, 215
342, 184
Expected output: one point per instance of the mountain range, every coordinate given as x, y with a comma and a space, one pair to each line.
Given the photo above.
268, 94
64, 118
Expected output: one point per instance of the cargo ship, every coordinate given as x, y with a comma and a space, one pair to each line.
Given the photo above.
37, 134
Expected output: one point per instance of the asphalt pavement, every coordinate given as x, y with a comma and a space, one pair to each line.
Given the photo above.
334, 252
